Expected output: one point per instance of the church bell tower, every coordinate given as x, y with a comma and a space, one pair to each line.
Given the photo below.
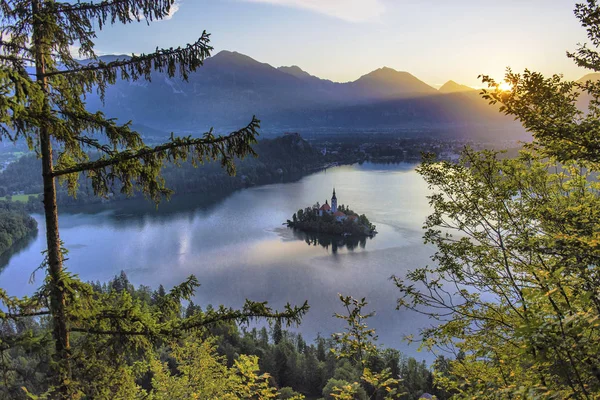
333, 202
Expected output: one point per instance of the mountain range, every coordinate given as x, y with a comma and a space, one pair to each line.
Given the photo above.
231, 87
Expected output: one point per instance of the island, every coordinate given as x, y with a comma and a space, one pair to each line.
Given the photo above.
332, 220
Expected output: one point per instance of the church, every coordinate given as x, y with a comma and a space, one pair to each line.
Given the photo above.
333, 209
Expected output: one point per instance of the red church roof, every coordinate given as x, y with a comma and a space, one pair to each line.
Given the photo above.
339, 214
325, 207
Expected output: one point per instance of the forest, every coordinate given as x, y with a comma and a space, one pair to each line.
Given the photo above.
15, 225
290, 363
285, 158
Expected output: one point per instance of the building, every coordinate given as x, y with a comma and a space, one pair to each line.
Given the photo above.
333, 210
325, 208
339, 216
333, 202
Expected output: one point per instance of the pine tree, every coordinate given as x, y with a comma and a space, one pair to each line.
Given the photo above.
47, 108
277, 333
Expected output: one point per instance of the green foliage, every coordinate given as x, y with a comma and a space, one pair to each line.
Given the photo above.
343, 390
109, 366
357, 344
310, 220
202, 374
22, 175
553, 109
515, 270
14, 226
123, 157
287, 393
47, 109
514, 285
283, 158
118, 334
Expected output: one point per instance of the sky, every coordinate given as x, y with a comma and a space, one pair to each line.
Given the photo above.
341, 40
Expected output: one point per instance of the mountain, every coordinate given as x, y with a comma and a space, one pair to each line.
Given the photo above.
381, 84
231, 87
387, 83
108, 58
584, 99
299, 73
594, 76
453, 87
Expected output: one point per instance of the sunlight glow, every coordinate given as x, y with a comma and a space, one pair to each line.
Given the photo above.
505, 87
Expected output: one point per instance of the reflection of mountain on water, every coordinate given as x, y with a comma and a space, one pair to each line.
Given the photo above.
330, 241
16, 248
139, 211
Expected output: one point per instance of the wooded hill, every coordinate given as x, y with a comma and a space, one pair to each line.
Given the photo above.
15, 225
284, 158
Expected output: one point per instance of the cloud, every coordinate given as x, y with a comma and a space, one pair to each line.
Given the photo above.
172, 11
174, 8
74, 50
348, 10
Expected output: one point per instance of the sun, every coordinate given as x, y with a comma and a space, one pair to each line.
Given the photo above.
505, 87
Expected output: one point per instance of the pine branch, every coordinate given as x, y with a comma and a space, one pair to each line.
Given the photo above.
93, 143
24, 341
251, 311
258, 310
11, 45
24, 315
123, 11
82, 121
188, 58
17, 61
176, 143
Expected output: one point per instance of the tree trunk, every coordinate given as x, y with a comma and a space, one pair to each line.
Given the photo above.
55, 267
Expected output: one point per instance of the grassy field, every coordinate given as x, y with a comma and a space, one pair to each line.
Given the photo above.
23, 198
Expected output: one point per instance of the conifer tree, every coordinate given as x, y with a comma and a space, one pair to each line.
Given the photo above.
42, 101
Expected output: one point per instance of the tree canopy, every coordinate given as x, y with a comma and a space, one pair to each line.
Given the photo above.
43, 89
513, 286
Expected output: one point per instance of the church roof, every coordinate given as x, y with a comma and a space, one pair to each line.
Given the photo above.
334, 197
325, 207
339, 214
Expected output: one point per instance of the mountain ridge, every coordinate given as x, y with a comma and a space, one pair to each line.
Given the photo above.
231, 87
453, 87
291, 70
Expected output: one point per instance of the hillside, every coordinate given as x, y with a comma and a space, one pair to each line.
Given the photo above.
284, 158
387, 83
453, 87
15, 225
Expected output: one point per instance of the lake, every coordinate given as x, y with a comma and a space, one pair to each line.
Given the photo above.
238, 248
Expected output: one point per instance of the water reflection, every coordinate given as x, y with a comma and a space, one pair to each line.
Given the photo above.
17, 248
140, 213
331, 241
238, 248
